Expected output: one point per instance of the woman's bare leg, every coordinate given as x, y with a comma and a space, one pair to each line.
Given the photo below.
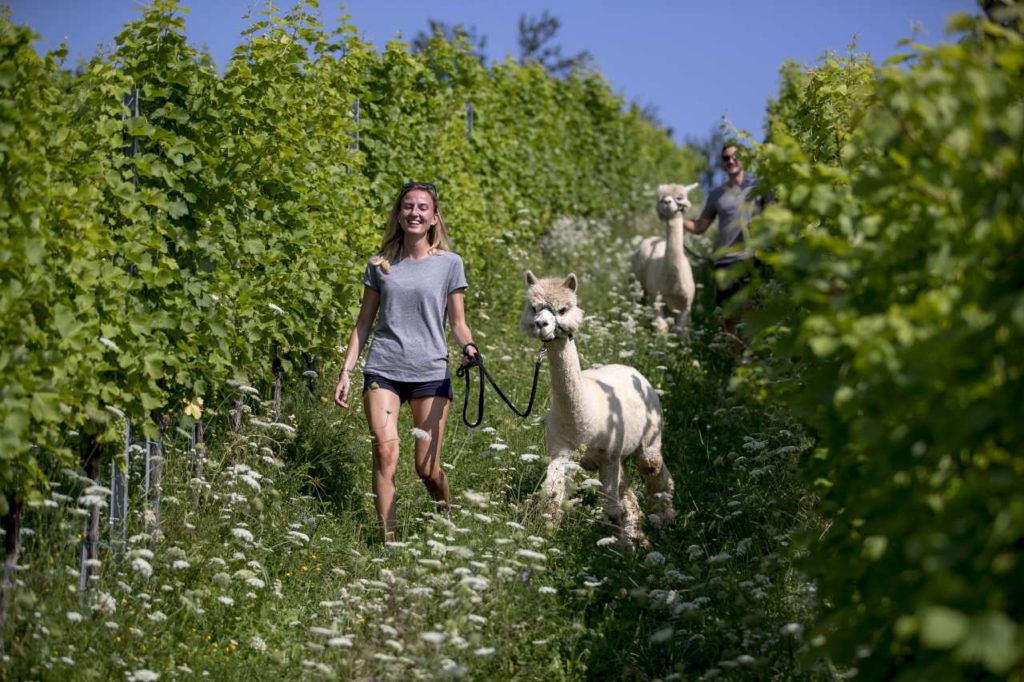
430, 414
381, 407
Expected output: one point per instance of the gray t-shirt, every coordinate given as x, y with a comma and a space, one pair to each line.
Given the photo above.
409, 342
734, 209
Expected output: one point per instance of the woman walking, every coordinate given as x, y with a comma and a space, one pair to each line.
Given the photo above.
410, 287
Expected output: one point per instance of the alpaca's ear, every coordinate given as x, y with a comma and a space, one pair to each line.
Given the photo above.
531, 278
690, 188
571, 281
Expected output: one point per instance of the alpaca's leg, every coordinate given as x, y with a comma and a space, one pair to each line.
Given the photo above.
660, 323
631, 518
611, 479
682, 324
660, 486
555, 488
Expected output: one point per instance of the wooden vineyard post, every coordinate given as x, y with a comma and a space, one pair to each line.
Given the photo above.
91, 536
119, 467
11, 522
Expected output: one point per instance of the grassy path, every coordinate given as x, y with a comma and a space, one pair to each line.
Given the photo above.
276, 571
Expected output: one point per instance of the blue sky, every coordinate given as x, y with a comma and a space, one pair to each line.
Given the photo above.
693, 61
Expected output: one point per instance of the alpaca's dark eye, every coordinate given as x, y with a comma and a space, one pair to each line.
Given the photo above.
563, 311
536, 308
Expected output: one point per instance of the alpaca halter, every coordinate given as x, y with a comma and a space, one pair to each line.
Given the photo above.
558, 326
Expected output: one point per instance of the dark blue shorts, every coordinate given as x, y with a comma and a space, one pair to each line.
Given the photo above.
406, 390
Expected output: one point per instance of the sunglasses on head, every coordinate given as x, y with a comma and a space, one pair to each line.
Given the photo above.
428, 186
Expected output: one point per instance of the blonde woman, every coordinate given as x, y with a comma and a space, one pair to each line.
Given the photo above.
410, 287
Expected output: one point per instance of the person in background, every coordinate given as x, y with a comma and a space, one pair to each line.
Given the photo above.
411, 287
734, 206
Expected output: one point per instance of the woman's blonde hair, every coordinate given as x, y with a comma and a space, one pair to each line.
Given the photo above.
391, 246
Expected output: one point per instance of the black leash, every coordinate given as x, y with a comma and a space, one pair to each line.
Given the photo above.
478, 361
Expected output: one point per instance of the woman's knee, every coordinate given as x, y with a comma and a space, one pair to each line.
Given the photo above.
386, 454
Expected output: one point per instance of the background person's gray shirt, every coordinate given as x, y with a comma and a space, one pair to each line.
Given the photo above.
734, 209
409, 341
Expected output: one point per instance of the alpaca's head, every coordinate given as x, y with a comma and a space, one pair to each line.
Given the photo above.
551, 309
673, 199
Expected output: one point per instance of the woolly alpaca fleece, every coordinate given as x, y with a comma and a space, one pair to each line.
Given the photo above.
608, 413
660, 263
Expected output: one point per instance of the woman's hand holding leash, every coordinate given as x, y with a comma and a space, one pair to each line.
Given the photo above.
471, 355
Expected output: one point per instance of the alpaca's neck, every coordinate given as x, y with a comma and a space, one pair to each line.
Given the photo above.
566, 377
675, 257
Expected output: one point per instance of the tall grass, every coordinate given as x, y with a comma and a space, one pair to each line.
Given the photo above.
269, 566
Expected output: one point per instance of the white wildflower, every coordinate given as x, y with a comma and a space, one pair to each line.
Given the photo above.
251, 481
295, 535
336, 642
654, 559
257, 643
607, 541
420, 434
74, 616
321, 631
144, 675
475, 498
109, 344
529, 457
142, 567
590, 483
248, 389
222, 579
547, 590
103, 602
475, 582
662, 635
433, 637
243, 534
277, 309
180, 565
794, 630
226, 600
532, 555
255, 582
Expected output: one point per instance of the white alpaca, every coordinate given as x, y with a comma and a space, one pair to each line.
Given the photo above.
607, 413
660, 263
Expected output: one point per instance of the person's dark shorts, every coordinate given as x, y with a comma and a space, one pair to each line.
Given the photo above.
406, 390
740, 275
